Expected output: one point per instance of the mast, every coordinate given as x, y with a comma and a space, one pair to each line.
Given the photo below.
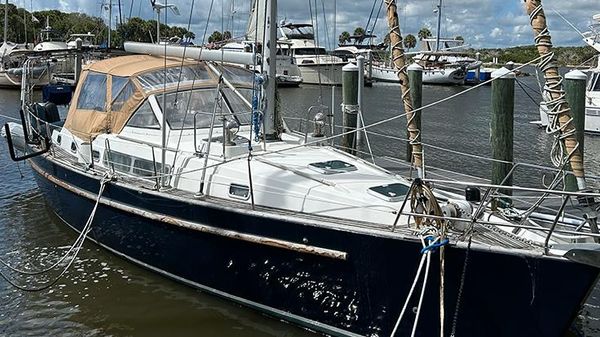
560, 119
25, 24
5, 20
109, 22
269, 69
439, 26
400, 67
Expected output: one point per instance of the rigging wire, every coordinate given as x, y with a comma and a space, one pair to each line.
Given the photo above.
364, 127
315, 24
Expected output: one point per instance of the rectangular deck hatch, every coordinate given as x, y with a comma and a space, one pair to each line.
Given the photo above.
332, 167
389, 192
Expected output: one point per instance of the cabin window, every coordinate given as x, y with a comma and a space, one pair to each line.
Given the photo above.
120, 162
183, 105
389, 192
310, 51
122, 96
595, 83
181, 76
118, 83
239, 191
144, 117
96, 155
332, 167
93, 93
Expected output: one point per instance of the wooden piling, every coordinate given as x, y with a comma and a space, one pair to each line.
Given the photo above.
349, 106
415, 79
501, 126
78, 58
575, 82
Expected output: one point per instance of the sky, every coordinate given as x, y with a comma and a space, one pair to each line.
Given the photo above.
482, 23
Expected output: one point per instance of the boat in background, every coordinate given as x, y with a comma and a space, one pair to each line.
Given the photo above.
443, 62
288, 73
315, 64
377, 68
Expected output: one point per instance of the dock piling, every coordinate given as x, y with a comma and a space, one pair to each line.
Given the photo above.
575, 82
78, 56
415, 79
360, 62
501, 126
349, 106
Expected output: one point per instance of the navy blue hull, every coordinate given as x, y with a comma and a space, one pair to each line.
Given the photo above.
504, 294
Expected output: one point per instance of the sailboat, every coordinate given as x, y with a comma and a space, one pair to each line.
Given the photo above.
172, 159
441, 58
12, 57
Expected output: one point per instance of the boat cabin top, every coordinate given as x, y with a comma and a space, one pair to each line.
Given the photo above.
129, 90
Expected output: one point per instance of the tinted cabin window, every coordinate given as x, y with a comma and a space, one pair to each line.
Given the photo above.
144, 117
182, 106
185, 75
122, 96
120, 162
93, 93
118, 83
595, 86
239, 191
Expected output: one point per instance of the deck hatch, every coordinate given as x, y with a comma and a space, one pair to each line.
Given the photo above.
389, 192
332, 167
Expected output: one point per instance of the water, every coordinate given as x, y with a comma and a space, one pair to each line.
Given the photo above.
103, 295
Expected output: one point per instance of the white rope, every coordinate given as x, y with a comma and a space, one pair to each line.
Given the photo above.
425, 259
76, 247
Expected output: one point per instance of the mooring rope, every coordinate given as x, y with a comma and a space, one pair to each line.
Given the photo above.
76, 247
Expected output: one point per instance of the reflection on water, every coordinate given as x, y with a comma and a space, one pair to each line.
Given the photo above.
102, 295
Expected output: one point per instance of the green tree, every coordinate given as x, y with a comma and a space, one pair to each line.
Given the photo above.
344, 37
460, 38
410, 41
424, 33
358, 31
226, 35
216, 36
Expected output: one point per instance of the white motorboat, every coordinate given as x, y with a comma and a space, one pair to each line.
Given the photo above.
288, 73
315, 64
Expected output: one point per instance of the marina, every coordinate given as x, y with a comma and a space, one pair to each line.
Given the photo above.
383, 210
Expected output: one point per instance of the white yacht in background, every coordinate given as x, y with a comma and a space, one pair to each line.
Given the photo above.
315, 64
288, 73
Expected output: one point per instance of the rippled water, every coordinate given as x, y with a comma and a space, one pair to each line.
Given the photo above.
102, 295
